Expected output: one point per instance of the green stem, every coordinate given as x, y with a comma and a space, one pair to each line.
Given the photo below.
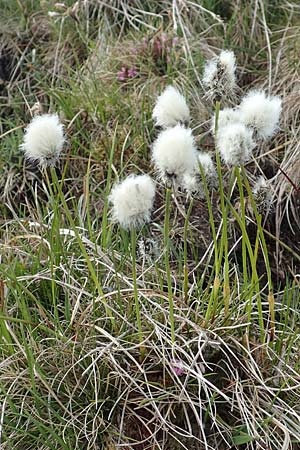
167, 261
253, 260
82, 248
243, 218
185, 233
87, 198
104, 227
265, 253
135, 288
260, 228
55, 239
224, 246
212, 301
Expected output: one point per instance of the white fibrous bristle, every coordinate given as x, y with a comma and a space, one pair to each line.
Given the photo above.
227, 116
174, 153
235, 144
261, 113
219, 75
210, 72
132, 201
227, 60
193, 183
44, 139
262, 193
205, 160
171, 108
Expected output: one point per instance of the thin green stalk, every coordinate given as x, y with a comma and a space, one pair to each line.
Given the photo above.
253, 261
185, 233
5, 337
211, 218
217, 264
104, 227
55, 239
167, 261
244, 255
243, 218
260, 228
271, 300
216, 284
87, 198
82, 248
135, 289
226, 286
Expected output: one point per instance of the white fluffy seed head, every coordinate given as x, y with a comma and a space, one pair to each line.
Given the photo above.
192, 182
205, 160
261, 113
219, 75
174, 153
235, 144
227, 60
132, 201
44, 139
226, 116
170, 109
210, 72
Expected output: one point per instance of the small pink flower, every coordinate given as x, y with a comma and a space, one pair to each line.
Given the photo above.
132, 72
122, 74
177, 367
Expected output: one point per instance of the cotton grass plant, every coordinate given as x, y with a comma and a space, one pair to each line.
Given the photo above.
261, 113
44, 140
234, 130
132, 202
171, 109
174, 154
219, 75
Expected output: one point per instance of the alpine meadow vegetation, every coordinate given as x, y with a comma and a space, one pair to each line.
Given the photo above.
149, 225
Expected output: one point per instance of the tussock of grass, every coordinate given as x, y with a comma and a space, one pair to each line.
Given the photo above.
222, 370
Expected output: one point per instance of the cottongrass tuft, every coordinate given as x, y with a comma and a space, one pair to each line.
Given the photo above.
192, 182
219, 75
235, 144
262, 193
261, 113
206, 162
171, 108
132, 201
227, 116
193, 186
174, 154
44, 139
